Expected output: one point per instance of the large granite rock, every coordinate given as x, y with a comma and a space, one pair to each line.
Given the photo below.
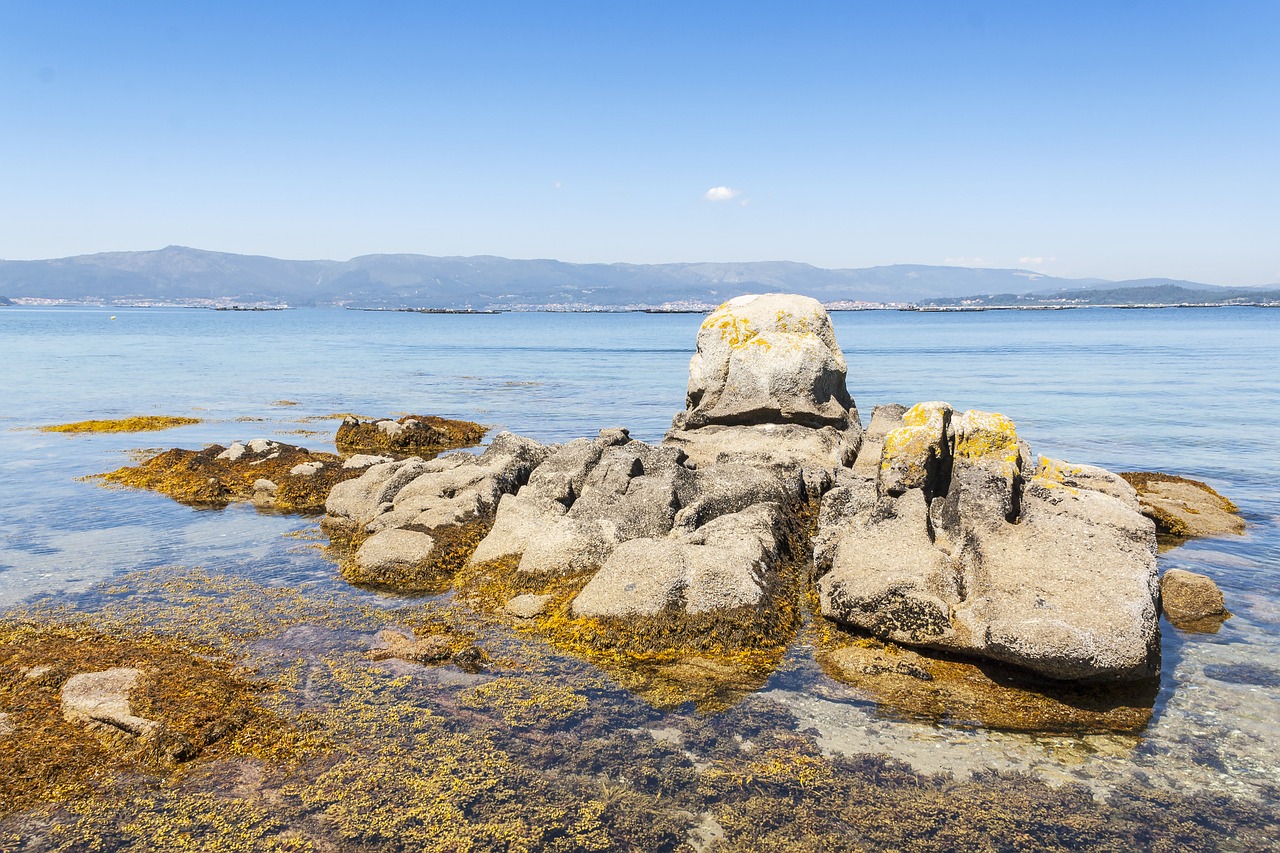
656, 534
968, 543
446, 490
767, 387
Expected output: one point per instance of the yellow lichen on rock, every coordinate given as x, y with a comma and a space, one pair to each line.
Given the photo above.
986, 436
140, 423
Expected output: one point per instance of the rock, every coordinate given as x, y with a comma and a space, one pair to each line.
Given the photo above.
103, 698
269, 474
422, 435
1184, 508
435, 648
528, 605
912, 454
1192, 601
730, 562
884, 420
446, 490
389, 555
768, 358
6, 727
232, 453
767, 388
967, 547
426, 517
364, 460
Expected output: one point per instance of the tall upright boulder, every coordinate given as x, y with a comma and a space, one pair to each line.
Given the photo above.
767, 386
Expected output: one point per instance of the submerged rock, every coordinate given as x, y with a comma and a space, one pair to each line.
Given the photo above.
101, 700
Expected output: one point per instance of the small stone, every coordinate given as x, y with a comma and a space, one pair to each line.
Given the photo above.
364, 460
433, 649
264, 485
6, 727
261, 445
232, 453
306, 469
528, 606
35, 673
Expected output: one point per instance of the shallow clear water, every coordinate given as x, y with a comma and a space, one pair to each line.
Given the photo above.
1188, 391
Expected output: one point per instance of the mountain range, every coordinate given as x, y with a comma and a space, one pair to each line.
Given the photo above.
181, 275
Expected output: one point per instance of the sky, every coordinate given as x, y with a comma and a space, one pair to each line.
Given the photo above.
1117, 139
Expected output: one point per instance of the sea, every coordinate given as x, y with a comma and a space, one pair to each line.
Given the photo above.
1187, 391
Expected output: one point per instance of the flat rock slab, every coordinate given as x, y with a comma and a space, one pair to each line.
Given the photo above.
103, 698
1184, 508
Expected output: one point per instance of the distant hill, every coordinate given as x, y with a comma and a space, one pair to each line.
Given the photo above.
1137, 292
181, 275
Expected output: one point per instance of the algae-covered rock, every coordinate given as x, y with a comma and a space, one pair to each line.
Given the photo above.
1184, 508
951, 690
421, 435
972, 547
1192, 602
270, 474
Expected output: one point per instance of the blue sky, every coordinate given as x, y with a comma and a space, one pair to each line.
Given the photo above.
1109, 139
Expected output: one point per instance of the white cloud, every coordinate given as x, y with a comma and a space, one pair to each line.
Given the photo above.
721, 194
965, 262
1036, 261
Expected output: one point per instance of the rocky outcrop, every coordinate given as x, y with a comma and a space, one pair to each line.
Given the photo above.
966, 542
767, 388
270, 474
1192, 602
656, 534
1184, 508
416, 521
937, 528
422, 435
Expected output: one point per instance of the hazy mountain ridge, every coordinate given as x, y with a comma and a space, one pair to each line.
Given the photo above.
177, 274
1138, 292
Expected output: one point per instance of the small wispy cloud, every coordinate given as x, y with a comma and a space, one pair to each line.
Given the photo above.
1031, 260
965, 262
721, 194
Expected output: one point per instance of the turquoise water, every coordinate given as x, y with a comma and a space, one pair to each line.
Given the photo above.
1189, 391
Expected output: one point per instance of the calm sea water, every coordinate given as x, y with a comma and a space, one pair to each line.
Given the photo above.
1187, 391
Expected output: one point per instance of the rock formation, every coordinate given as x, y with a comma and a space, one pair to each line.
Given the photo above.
937, 528
966, 542
767, 388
